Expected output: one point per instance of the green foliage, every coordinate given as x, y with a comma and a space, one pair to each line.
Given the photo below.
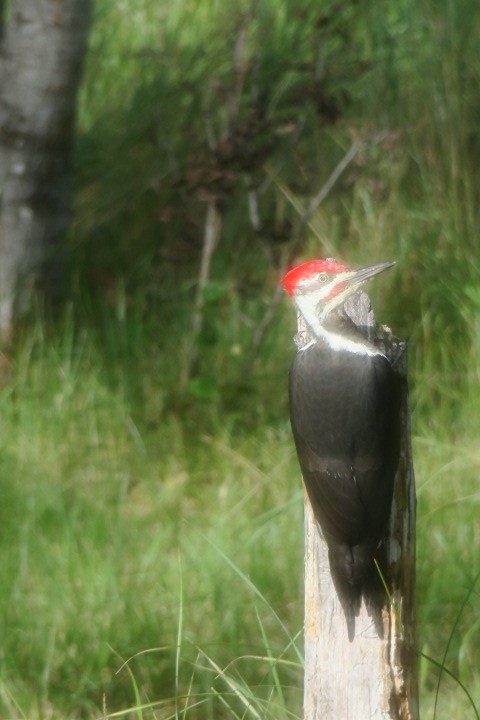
195, 102
104, 516
151, 516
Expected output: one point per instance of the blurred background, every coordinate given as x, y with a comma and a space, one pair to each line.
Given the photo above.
151, 522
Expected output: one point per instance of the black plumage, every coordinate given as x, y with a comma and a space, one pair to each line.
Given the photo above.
344, 410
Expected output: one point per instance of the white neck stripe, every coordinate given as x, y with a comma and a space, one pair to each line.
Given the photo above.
339, 342
307, 306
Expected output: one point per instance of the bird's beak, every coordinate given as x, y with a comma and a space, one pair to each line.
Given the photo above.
358, 277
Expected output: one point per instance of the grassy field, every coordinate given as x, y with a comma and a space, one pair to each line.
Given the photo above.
127, 531
152, 554
151, 549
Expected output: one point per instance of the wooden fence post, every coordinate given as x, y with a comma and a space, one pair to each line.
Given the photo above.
374, 675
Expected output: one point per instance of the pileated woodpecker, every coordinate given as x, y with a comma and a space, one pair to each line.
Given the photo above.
344, 411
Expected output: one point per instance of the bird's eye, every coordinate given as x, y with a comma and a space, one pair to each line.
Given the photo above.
322, 277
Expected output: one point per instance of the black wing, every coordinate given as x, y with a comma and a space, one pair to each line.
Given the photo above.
344, 411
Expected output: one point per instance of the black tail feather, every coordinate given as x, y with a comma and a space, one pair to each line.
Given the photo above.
355, 575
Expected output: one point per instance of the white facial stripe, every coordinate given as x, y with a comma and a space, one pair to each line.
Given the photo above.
314, 286
307, 305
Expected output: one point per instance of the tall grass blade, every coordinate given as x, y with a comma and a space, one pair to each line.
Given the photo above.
442, 665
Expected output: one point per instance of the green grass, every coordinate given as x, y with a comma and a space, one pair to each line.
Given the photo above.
120, 538
152, 561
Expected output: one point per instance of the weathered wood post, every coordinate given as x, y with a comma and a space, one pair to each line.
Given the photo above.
374, 675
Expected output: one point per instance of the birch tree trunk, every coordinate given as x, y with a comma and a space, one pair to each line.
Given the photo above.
41, 52
372, 676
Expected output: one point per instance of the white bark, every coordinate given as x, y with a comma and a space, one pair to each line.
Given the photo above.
374, 675
41, 54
